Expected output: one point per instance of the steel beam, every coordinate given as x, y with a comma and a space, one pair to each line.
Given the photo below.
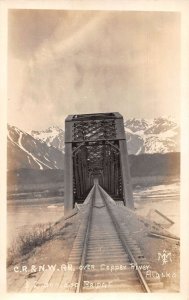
68, 180
96, 143
68, 169
124, 162
126, 179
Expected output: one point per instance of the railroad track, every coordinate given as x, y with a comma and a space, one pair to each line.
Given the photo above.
104, 256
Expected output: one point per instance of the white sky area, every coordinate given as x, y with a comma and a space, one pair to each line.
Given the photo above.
72, 62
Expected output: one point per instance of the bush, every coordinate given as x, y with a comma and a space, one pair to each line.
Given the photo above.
27, 241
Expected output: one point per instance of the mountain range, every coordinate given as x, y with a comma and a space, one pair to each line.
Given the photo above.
45, 149
160, 135
26, 152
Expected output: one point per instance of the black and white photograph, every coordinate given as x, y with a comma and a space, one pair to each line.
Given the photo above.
93, 151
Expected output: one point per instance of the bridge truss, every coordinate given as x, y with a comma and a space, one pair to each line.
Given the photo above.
95, 149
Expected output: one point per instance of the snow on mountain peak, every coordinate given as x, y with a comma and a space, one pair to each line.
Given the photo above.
52, 136
143, 135
160, 135
136, 124
24, 151
160, 125
53, 129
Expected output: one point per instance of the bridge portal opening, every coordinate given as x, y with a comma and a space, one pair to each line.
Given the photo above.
96, 151
95, 180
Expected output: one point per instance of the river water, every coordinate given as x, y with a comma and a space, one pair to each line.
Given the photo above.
163, 198
23, 214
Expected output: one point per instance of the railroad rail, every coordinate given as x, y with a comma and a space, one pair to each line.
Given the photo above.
105, 256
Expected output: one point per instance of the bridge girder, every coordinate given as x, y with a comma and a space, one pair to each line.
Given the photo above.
95, 147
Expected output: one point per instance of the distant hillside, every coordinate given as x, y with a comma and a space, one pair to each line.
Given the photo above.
31, 183
25, 152
156, 164
28, 176
140, 166
43, 150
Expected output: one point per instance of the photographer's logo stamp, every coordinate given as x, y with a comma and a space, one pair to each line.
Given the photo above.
165, 257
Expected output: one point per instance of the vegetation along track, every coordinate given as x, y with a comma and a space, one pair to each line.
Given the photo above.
105, 257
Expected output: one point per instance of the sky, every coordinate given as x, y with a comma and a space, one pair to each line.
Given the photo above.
71, 62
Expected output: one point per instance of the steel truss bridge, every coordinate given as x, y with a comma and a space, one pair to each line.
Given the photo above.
95, 149
104, 255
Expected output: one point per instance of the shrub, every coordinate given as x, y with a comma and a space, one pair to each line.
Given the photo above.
27, 241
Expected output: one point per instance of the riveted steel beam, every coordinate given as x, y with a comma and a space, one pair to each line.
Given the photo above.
95, 149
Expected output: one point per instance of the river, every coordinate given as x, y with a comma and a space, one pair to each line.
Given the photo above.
23, 214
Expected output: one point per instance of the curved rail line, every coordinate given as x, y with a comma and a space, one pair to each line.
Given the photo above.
104, 254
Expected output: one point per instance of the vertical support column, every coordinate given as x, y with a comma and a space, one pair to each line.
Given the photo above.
124, 161
68, 170
127, 187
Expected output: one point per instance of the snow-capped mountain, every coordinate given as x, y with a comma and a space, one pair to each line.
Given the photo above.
137, 124
24, 151
53, 136
160, 135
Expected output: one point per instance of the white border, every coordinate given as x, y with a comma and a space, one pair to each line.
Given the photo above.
181, 6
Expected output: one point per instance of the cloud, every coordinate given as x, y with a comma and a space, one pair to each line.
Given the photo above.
100, 61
